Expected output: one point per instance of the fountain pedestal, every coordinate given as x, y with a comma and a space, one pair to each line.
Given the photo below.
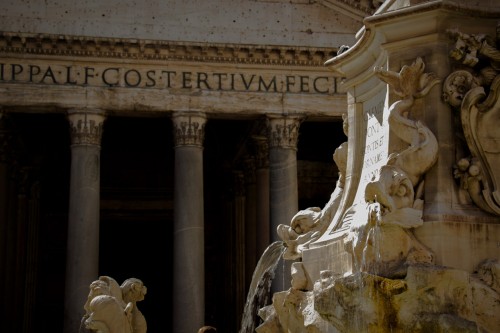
412, 242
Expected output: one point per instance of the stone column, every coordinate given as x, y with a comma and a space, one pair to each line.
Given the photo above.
7, 224
189, 252
250, 220
238, 247
262, 194
30, 195
83, 226
283, 132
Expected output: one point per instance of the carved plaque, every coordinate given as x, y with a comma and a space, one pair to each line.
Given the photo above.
376, 144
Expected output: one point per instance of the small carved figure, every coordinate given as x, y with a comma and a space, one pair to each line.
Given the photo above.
107, 315
309, 224
475, 94
468, 48
111, 308
133, 291
456, 86
380, 237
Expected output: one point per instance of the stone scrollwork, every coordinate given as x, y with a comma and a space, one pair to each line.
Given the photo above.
111, 308
474, 93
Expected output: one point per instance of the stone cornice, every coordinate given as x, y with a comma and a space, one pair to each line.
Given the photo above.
141, 49
357, 10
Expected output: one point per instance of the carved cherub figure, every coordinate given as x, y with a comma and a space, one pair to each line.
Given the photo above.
107, 315
104, 291
111, 308
473, 93
133, 291
309, 224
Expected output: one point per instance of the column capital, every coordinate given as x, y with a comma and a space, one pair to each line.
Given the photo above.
283, 131
189, 128
86, 126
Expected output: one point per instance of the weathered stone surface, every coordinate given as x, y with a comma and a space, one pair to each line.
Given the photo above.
254, 22
396, 219
112, 308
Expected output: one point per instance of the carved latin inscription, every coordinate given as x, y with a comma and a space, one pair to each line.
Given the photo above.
162, 78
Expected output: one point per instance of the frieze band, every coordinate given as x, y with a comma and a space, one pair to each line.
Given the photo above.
161, 77
11, 42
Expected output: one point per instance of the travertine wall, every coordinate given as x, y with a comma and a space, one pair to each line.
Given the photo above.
298, 23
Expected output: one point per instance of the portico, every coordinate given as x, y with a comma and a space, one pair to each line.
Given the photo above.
153, 176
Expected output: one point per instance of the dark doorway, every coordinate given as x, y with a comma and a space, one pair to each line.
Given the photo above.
136, 210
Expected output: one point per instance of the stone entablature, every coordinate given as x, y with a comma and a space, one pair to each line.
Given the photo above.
126, 76
139, 49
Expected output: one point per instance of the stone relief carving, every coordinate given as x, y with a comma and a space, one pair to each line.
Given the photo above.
111, 308
309, 224
122, 48
283, 131
474, 93
380, 236
86, 127
189, 130
395, 287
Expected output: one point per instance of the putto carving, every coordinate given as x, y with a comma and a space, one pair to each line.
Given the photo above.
189, 129
111, 308
474, 93
283, 131
86, 127
309, 225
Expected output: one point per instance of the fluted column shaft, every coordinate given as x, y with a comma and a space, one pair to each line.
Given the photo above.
189, 252
283, 132
7, 224
82, 259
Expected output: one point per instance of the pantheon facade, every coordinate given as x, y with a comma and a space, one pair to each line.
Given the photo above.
163, 141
